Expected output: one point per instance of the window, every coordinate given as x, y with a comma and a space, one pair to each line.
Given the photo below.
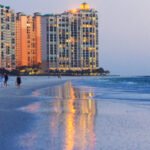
8, 50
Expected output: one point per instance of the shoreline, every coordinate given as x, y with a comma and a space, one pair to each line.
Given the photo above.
28, 85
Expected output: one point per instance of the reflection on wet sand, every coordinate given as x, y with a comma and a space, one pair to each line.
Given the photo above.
67, 121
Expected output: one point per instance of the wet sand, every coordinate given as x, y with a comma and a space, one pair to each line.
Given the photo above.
13, 121
52, 114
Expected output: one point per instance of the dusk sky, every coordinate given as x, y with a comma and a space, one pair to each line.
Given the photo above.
124, 30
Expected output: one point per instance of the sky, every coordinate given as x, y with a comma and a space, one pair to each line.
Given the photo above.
124, 30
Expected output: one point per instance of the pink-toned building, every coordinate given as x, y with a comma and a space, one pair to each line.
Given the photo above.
28, 39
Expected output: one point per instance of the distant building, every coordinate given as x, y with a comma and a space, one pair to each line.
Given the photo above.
7, 37
28, 39
70, 39
66, 41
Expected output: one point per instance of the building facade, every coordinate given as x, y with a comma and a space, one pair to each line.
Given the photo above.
28, 40
70, 39
7, 38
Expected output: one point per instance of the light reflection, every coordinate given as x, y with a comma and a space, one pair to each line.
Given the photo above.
78, 111
66, 121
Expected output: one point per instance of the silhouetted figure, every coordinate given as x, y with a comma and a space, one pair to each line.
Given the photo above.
5, 80
18, 81
59, 75
1, 80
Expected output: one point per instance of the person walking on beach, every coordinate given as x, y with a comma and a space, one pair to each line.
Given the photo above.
5, 80
18, 81
59, 75
1, 80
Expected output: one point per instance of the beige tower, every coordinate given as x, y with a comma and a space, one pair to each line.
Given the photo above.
7, 38
70, 39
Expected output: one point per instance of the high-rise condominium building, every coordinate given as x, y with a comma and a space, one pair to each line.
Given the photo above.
70, 39
7, 38
28, 39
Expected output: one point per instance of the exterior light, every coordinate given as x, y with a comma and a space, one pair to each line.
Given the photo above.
73, 11
85, 6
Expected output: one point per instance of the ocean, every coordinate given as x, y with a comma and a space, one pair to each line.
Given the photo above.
118, 88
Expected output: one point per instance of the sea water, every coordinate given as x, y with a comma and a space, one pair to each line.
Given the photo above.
118, 88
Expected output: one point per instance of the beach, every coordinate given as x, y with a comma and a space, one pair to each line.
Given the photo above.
75, 113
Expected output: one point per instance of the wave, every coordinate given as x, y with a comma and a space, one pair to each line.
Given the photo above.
129, 88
